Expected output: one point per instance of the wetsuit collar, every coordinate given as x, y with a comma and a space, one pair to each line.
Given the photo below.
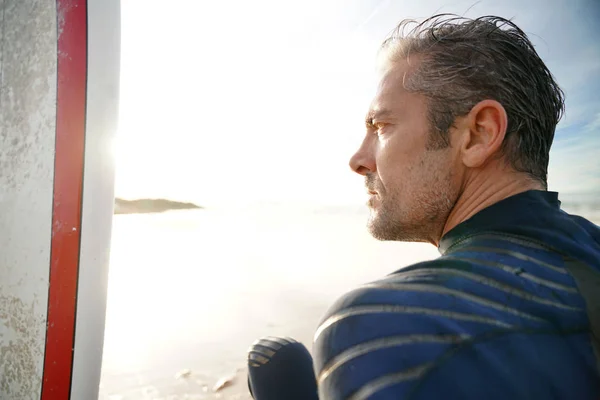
527, 208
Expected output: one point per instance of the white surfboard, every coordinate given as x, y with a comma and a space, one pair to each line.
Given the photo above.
59, 80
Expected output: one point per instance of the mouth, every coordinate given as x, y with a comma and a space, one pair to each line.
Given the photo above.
373, 200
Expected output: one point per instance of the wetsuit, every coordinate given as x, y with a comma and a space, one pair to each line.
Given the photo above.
511, 310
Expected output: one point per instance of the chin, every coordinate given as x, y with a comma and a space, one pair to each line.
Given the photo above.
379, 229
384, 229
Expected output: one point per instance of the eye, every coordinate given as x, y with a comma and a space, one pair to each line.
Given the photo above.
375, 126
379, 125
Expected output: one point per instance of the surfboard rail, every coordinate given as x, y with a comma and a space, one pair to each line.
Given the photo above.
59, 92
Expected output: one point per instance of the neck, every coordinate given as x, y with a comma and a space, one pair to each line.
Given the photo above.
484, 191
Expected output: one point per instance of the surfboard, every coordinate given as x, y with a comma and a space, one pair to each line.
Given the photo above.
59, 90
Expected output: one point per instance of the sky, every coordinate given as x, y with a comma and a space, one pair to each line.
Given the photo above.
226, 102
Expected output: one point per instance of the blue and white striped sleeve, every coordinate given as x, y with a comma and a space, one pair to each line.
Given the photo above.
387, 340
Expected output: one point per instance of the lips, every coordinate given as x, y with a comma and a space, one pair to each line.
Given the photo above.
371, 189
370, 184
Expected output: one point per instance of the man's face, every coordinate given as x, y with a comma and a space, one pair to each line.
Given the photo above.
411, 184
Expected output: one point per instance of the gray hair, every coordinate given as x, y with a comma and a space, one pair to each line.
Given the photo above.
465, 61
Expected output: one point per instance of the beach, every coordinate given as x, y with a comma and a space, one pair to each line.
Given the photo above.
189, 291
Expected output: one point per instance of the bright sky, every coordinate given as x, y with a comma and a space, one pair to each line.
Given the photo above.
235, 101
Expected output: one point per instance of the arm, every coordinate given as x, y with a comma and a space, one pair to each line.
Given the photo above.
369, 347
423, 335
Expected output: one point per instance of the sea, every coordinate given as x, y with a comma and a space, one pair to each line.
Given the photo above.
189, 291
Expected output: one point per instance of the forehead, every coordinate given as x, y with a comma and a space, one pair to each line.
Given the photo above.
390, 93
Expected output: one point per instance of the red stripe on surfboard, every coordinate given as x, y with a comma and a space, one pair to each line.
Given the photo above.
68, 190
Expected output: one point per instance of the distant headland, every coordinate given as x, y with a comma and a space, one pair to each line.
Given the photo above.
145, 206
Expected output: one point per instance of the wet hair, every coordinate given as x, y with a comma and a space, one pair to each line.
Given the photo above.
464, 61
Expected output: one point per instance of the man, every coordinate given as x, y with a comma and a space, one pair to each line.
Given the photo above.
456, 154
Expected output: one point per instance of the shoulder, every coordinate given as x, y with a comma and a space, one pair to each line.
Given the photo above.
435, 291
386, 334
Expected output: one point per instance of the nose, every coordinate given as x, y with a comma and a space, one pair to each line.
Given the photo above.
363, 161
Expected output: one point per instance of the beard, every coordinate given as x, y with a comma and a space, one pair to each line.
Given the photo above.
418, 216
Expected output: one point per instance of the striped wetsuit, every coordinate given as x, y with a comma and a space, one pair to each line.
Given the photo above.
509, 311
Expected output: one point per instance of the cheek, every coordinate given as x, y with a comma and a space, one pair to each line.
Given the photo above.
397, 163
395, 177
435, 170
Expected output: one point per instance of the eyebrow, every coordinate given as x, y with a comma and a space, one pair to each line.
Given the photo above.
374, 114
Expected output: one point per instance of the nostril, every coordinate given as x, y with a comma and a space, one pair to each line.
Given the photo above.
358, 164
361, 170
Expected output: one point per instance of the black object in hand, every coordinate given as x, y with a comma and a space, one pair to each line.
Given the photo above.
281, 369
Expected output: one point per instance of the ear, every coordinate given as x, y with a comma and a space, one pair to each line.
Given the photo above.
484, 131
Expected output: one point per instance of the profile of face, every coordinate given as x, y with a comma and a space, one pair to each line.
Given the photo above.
411, 183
